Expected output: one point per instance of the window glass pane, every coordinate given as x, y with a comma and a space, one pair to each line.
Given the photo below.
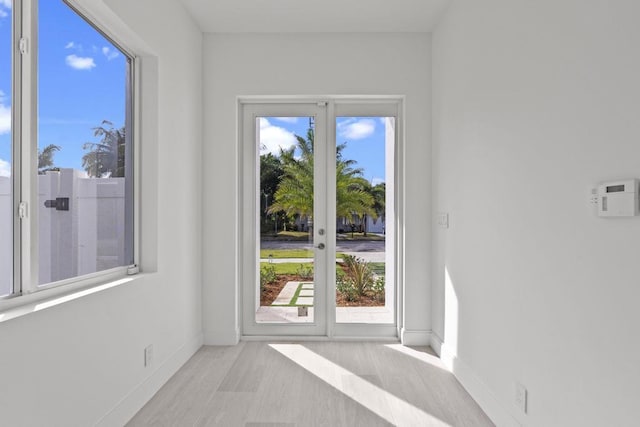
6, 220
84, 154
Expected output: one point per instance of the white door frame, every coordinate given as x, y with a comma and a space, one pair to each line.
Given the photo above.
325, 110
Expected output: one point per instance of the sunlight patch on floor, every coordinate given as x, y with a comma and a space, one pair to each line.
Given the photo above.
377, 400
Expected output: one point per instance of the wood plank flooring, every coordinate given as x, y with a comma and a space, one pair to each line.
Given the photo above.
259, 384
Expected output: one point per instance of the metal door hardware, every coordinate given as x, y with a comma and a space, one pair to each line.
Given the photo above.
60, 203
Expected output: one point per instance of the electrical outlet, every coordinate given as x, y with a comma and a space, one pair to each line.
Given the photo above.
521, 398
443, 219
148, 355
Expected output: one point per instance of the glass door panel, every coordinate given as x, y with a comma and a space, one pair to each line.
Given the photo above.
286, 190
6, 152
364, 207
284, 257
319, 247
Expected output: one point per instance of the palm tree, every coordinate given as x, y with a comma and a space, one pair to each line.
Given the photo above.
107, 157
294, 195
45, 158
352, 197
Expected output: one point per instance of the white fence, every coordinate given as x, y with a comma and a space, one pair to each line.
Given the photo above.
88, 237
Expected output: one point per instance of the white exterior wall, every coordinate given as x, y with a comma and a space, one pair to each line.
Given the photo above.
534, 103
310, 64
80, 363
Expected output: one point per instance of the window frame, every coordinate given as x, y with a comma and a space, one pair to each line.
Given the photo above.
24, 141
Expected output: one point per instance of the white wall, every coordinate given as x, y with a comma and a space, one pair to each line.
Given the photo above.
81, 363
535, 103
309, 64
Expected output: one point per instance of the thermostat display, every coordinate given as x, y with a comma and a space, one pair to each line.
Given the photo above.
618, 198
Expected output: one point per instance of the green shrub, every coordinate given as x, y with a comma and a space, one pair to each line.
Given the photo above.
358, 273
345, 287
305, 271
267, 275
377, 287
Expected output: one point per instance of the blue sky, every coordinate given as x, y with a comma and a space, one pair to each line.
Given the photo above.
365, 138
81, 82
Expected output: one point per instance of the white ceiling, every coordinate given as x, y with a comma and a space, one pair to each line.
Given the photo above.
315, 16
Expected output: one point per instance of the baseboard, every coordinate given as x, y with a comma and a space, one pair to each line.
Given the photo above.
222, 338
303, 338
415, 337
474, 386
435, 342
143, 392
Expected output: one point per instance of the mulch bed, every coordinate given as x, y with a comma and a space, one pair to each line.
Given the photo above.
272, 290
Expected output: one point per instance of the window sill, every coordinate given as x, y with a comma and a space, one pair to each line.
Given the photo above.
26, 304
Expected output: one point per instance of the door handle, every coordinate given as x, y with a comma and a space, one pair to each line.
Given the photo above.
320, 246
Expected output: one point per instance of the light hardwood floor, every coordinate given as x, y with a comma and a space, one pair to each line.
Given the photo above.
312, 384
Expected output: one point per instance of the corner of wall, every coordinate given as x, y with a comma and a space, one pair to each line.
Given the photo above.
415, 337
141, 394
222, 337
472, 384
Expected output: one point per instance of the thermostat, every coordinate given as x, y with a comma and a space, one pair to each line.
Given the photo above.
618, 198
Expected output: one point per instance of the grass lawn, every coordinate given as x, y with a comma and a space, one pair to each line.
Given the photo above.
286, 253
360, 236
293, 235
290, 253
286, 267
377, 267
293, 267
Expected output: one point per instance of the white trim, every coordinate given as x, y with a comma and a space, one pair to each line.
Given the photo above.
478, 390
435, 343
126, 408
12, 308
415, 337
304, 338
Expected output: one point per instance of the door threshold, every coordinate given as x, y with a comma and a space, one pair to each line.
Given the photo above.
289, 338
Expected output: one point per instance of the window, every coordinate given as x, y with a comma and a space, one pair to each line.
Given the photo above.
66, 148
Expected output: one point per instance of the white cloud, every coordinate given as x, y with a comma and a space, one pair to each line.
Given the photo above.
356, 129
376, 181
70, 45
273, 138
291, 120
109, 53
5, 116
5, 169
80, 63
4, 4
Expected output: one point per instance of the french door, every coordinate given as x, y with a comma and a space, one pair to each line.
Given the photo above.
319, 243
